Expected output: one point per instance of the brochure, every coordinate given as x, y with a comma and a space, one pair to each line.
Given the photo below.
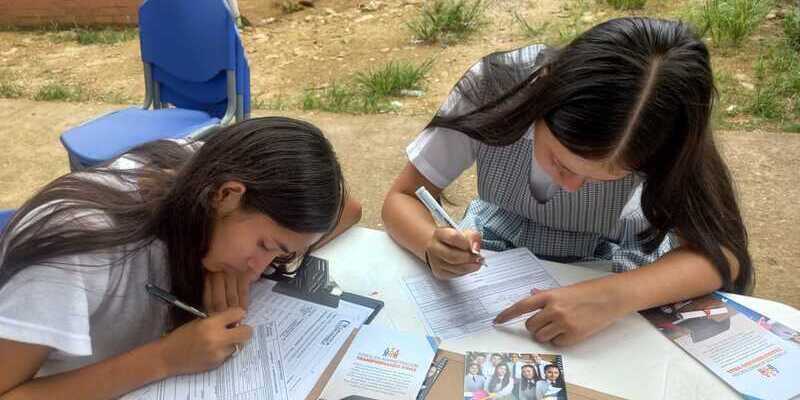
382, 364
759, 357
520, 376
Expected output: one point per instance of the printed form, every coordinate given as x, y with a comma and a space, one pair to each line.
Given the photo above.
293, 342
455, 308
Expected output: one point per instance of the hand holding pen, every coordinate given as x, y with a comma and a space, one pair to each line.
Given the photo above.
204, 343
450, 252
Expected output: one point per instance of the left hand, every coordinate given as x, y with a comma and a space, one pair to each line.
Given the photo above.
223, 290
567, 315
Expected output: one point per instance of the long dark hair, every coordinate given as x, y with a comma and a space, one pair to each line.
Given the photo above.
633, 92
494, 381
288, 167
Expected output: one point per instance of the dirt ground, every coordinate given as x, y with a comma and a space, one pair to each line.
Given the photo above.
332, 41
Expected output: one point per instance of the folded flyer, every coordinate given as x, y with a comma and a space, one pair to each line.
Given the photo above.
382, 364
757, 356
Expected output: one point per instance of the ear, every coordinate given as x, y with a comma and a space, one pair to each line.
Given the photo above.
228, 197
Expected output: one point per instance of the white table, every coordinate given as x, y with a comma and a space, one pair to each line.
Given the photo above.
630, 359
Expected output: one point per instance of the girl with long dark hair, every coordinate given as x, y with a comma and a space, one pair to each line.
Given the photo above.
598, 151
202, 221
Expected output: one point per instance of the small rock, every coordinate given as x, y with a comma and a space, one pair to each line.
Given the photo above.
10, 51
330, 12
396, 104
309, 18
364, 18
385, 50
772, 15
269, 20
370, 6
412, 93
731, 108
747, 85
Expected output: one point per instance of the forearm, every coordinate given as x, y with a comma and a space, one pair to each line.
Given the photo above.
408, 222
679, 275
107, 379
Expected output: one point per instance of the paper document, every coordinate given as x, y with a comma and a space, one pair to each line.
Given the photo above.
381, 364
467, 304
293, 342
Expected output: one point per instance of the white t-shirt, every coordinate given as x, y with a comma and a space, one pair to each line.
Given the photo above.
442, 154
90, 306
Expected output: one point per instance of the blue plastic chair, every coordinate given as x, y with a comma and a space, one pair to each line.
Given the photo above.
196, 80
5, 217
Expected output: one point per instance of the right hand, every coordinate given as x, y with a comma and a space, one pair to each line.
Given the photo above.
204, 344
449, 252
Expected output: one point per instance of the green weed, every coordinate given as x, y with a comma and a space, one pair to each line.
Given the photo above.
791, 28
448, 20
276, 104
89, 36
9, 88
58, 92
393, 77
729, 22
777, 95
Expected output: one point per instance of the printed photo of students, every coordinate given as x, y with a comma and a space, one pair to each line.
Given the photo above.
525, 386
515, 365
474, 381
490, 365
552, 387
500, 384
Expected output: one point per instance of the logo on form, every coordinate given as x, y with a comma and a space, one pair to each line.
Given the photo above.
391, 352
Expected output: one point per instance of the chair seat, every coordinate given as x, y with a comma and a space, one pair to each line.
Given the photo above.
113, 134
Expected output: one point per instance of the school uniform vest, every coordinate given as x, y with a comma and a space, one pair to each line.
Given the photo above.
586, 225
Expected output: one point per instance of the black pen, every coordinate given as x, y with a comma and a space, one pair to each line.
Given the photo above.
169, 298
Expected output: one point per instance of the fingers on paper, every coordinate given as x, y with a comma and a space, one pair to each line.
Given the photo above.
524, 306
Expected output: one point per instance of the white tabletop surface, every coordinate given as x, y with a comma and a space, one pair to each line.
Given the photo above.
630, 359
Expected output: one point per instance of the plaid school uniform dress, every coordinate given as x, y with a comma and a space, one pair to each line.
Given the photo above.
592, 224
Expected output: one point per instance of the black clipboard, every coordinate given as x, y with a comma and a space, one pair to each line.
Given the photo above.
312, 283
375, 305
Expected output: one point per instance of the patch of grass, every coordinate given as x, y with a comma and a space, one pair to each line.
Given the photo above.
276, 104
393, 77
368, 92
791, 27
777, 95
9, 88
729, 22
58, 92
627, 4
448, 20
89, 36
115, 97
528, 30
343, 98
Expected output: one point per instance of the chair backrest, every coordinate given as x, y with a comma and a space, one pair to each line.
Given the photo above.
190, 45
5, 217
